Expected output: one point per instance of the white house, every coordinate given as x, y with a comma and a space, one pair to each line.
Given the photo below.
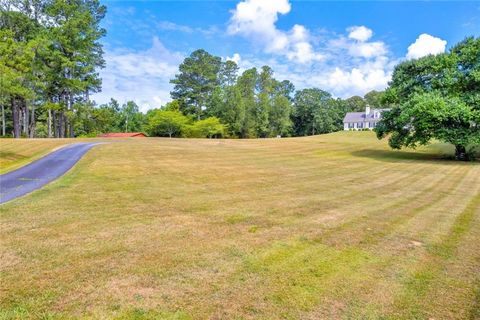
362, 120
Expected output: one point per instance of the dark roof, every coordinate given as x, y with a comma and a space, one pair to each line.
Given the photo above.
361, 116
123, 135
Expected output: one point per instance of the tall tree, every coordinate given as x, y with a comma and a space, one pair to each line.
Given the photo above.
355, 103
197, 79
374, 99
56, 54
246, 106
131, 118
18, 65
436, 97
228, 73
306, 104
266, 86
74, 30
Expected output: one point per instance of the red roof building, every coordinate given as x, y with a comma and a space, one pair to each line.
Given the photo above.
122, 135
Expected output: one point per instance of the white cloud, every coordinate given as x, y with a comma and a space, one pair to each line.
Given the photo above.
342, 79
360, 79
255, 19
368, 49
360, 33
141, 76
362, 49
425, 45
348, 64
235, 58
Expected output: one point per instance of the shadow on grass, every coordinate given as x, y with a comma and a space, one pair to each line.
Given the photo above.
401, 156
11, 156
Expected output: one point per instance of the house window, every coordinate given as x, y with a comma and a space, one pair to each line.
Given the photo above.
360, 125
372, 124
350, 125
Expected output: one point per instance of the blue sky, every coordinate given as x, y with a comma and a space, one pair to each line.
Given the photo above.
346, 48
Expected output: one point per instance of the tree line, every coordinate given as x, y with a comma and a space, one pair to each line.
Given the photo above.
50, 54
49, 57
253, 104
211, 98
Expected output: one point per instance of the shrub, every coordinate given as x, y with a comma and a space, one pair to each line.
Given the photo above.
206, 128
164, 123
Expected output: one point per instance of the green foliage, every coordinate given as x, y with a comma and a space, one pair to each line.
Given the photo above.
49, 54
317, 112
427, 116
164, 123
131, 117
206, 128
197, 79
174, 105
279, 117
436, 97
374, 99
356, 104
89, 120
253, 104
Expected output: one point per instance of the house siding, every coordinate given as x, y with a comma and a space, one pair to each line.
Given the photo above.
362, 120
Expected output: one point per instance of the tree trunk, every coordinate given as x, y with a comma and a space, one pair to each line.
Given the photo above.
3, 120
20, 116
55, 125
61, 127
49, 123
16, 118
32, 123
25, 117
71, 133
461, 153
199, 110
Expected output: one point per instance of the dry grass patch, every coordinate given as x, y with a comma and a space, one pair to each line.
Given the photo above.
333, 226
15, 153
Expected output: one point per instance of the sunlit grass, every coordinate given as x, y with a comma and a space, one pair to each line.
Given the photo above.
15, 153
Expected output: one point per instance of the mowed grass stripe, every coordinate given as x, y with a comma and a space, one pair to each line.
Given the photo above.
257, 229
375, 274
434, 196
436, 221
430, 272
381, 209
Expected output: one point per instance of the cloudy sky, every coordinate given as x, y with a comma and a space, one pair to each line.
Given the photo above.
346, 48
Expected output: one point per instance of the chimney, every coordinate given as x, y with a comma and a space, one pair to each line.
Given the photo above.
367, 111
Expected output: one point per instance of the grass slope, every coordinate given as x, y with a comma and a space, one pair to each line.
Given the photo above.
333, 226
15, 153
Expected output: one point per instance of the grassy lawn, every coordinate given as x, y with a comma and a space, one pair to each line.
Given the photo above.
16, 153
333, 226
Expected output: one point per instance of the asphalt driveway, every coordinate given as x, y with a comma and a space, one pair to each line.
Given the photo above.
42, 171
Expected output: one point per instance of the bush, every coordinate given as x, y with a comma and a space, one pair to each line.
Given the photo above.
473, 153
164, 123
88, 135
206, 128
